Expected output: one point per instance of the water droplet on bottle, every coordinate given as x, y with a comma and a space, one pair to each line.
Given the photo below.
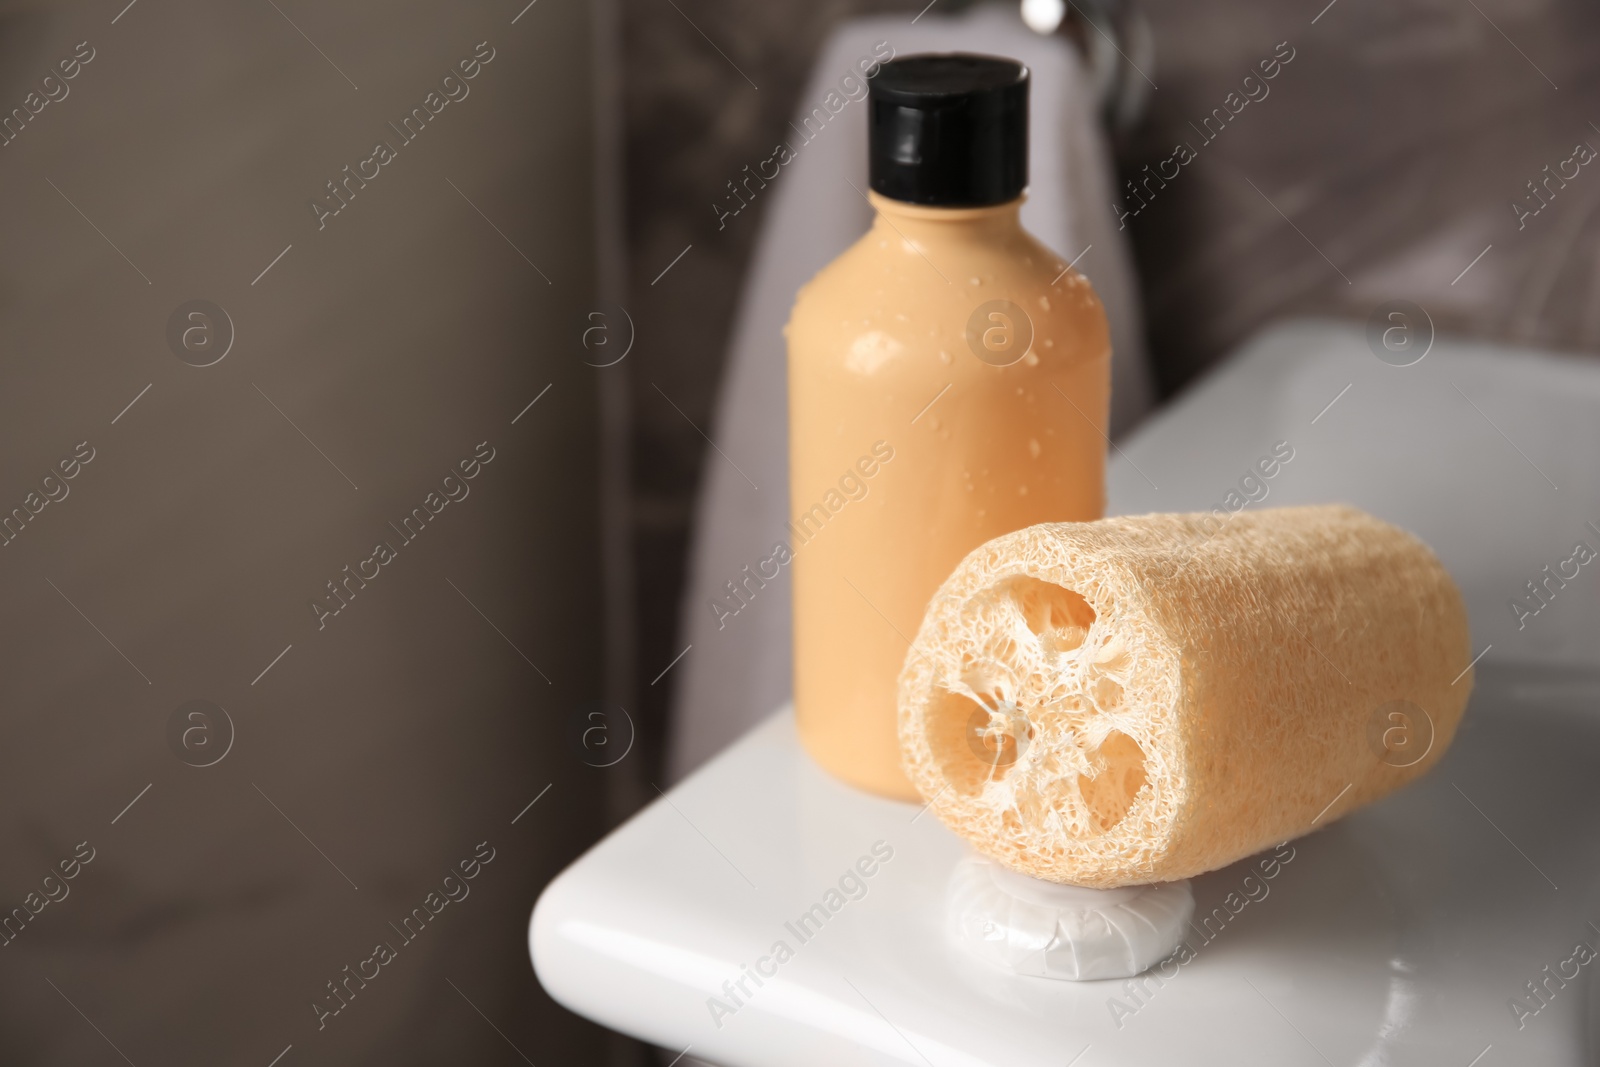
1044, 302
1033, 447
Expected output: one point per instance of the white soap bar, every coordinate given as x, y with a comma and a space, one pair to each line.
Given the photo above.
1034, 927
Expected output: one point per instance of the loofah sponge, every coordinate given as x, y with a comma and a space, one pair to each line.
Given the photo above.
1143, 699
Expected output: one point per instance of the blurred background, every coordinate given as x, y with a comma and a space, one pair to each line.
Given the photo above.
286, 285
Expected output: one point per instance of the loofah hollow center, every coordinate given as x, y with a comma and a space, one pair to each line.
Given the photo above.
1034, 716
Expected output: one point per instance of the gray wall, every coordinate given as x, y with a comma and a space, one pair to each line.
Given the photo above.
373, 356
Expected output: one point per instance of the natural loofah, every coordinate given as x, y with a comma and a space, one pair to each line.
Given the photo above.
1147, 698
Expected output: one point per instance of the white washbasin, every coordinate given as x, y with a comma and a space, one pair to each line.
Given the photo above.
1396, 936
1406, 933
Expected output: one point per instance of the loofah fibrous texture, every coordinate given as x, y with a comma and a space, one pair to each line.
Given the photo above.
1147, 698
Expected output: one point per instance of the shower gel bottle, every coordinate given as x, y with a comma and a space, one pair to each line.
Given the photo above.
949, 381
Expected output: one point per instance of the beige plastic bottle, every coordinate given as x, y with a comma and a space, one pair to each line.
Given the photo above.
949, 381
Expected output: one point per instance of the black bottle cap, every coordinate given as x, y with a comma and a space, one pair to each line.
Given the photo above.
949, 129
